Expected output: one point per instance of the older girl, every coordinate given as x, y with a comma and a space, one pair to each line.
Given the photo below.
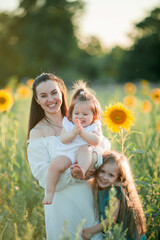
116, 171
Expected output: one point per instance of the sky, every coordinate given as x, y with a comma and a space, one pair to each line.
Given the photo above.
109, 20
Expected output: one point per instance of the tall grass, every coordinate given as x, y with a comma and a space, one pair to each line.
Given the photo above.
21, 212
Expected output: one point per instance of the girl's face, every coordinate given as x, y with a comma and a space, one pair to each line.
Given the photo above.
49, 96
82, 111
107, 175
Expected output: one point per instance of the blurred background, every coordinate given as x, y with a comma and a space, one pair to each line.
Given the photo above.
100, 41
115, 47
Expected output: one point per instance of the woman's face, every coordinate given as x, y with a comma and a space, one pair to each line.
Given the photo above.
107, 175
49, 96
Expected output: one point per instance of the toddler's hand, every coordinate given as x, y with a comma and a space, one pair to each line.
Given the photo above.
75, 130
78, 125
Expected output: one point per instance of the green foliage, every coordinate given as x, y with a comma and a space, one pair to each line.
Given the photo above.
117, 233
150, 192
111, 64
19, 196
142, 60
114, 231
141, 146
21, 212
41, 36
37, 37
66, 234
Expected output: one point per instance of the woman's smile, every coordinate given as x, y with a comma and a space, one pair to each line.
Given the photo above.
52, 106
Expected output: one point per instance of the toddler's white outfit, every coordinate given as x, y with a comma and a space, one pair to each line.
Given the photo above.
70, 149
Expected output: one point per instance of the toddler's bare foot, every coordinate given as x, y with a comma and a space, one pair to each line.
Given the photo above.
48, 198
77, 172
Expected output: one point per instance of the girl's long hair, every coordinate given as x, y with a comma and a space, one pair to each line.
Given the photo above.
131, 213
81, 93
36, 112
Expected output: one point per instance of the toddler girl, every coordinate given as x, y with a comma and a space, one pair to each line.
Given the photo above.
116, 171
82, 127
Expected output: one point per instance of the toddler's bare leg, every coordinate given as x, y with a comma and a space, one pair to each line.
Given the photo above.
84, 160
57, 166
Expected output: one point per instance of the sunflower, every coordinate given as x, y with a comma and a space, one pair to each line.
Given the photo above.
30, 82
6, 100
130, 88
146, 106
23, 91
144, 82
130, 101
118, 116
155, 95
144, 87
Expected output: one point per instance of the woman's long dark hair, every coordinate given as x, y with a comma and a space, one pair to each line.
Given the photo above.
36, 112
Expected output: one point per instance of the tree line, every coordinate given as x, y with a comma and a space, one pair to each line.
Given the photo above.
39, 36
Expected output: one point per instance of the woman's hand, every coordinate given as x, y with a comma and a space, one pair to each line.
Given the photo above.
86, 234
92, 170
90, 173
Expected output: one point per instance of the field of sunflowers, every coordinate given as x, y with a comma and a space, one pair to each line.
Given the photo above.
131, 120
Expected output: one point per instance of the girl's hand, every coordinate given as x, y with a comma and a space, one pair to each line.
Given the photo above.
75, 130
86, 234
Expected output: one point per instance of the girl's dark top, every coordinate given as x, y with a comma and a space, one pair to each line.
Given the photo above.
104, 196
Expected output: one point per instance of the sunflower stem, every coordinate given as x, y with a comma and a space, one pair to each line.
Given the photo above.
123, 140
3, 120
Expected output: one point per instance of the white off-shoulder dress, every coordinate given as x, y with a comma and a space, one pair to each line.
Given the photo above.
73, 201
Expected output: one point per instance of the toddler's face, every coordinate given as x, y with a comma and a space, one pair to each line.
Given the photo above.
107, 175
83, 112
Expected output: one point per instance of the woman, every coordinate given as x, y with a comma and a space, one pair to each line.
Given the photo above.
73, 200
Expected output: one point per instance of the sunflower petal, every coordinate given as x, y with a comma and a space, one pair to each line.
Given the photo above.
118, 116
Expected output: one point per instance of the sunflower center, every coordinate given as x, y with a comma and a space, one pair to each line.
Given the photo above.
118, 116
2, 100
157, 96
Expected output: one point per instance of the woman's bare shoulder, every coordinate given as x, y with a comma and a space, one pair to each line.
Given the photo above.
42, 130
37, 131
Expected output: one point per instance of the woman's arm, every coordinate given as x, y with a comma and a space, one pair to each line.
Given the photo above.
92, 138
97, 153
39, 160
38, 157
87, 233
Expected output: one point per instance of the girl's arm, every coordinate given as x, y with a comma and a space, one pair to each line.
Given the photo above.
92, 138
87, 233
68, 137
